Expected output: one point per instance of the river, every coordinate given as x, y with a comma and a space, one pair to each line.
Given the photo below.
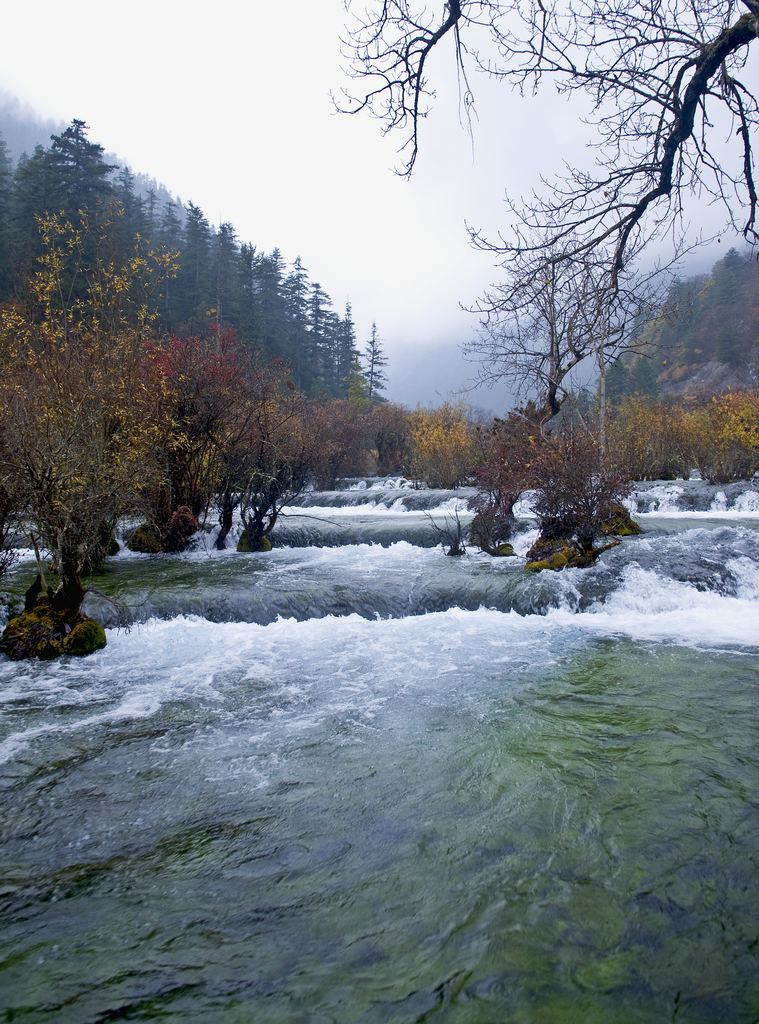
354, 780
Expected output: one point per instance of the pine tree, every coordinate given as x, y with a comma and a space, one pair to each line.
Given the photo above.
617, 382
171, 239
249, 304
195, 294
35, 193
225, 254
374, 364
296, 291
643, 379
6, 192
356, 384
132, 221
272, 337
346, 351
319, 340
81, 174
150, 206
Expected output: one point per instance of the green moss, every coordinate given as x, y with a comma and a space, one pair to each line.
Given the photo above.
45, 632
244, 544
145, 539
504, 551
620, 523
566, 556
85, 638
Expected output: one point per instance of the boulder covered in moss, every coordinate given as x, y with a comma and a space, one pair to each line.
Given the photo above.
504, 551
565, 556
562, 553
45, 632
145, 539
245, 544
619, 523
113, 547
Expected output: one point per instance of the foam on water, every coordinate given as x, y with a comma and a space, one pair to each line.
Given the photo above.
362, 661
747, 502
374, 508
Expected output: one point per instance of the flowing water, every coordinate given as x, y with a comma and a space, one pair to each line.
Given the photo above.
367, 783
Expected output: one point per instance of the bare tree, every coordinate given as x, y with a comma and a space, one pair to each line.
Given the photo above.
547, 317
666, 90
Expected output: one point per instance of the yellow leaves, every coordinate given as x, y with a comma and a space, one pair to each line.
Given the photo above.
443, 450
721, 437
725, 435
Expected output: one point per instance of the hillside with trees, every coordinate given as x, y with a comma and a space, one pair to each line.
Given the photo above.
273, 306
705, 340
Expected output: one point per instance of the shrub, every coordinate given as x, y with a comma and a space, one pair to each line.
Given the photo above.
578, 496
442, 450
725, 437
651, 439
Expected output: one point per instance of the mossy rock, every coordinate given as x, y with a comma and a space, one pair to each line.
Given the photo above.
545, 548
113, 547
85, 638
145, 540
245, 546
504, 551
45, 632
620, 523
557, 560
567, 557
560, 553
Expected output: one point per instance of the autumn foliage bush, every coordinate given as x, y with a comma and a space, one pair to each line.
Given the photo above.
78, 416
442, 446
724, 437
507, 453
658, 441
579, 488
651, 439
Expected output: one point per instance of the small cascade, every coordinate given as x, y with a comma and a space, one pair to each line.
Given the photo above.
678, 497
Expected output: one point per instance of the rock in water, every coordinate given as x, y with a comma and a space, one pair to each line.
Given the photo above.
619, 523
145, 540
45, 632
245, 545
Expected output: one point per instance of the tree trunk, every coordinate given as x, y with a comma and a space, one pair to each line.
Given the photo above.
602, 404
225, 521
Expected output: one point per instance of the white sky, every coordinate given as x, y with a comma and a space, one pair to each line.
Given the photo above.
229, 106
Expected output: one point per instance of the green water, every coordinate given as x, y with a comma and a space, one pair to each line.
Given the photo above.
464, 827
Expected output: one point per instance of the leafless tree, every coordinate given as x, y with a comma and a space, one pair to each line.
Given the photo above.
547, 317
666, 83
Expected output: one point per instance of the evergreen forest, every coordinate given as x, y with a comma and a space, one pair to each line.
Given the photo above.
215, 278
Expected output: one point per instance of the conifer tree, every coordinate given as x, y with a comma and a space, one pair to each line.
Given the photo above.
6, 183
270, 270
80, 171
296, 290
346, 352
194, 278
34, 194
356, 384
132, 220
375, 362
643, 380
225, 253
171, 239
617, 382
320, 340
249, 305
